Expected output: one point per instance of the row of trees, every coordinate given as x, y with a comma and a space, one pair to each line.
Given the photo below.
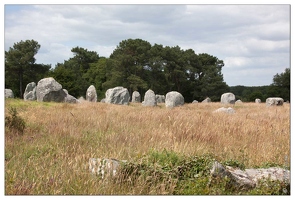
134, 64
279, 88
137, 65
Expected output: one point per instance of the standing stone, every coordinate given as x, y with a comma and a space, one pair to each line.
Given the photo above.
149, 98
160, 98
257, 101
30, 92
91, 94
49, 89
117, 95
207, 100
274, 101
228, 98
174, 99
9, 93
195, 101
69, 98
136, 98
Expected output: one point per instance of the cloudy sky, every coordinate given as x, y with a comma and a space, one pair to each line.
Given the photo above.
253, 40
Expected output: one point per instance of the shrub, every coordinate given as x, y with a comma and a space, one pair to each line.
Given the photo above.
14, 122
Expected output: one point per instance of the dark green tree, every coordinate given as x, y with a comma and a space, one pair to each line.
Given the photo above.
70, 74
283, 79
96, 75
256, 94
20, 66
128, 65
209, 79
282, 83
154, 70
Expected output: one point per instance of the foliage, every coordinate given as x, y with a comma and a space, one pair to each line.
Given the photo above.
20, 66
168, 167
138, 66
70, 74
279, 88
282, 82
14, 122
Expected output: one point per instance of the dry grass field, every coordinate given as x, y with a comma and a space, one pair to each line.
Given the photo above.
51, 155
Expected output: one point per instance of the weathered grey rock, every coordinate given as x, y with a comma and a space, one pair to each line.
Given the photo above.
225, 110
248, 178
274, 101
174, 99
238, 180
30, 92
136, 98
91, 94
49, 89
103, 100
9, 93
207, 100
104, 168
257, 101
160, 98
117, 95
228, 98
70, 99
149, 98
195, 101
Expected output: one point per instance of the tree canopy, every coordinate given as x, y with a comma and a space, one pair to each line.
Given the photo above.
136, 65
281, 82
20, 66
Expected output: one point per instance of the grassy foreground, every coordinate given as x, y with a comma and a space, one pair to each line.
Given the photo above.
169, 149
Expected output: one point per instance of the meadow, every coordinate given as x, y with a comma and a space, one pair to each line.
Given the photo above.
49, 156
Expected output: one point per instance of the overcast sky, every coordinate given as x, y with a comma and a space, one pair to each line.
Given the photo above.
252, 40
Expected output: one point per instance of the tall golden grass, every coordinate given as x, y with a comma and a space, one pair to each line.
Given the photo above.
51, 157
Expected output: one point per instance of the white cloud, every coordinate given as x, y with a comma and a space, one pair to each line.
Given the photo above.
236, 62
246, 37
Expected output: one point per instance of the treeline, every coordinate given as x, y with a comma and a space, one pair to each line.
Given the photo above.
279, 88
135, 64
249, 94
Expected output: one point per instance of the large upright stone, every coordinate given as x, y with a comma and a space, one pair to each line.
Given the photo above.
149, 98
49, 89
30, 92
274, 101
91, 94
136, 98
117, 95
9, 93
228, 98
174, 99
